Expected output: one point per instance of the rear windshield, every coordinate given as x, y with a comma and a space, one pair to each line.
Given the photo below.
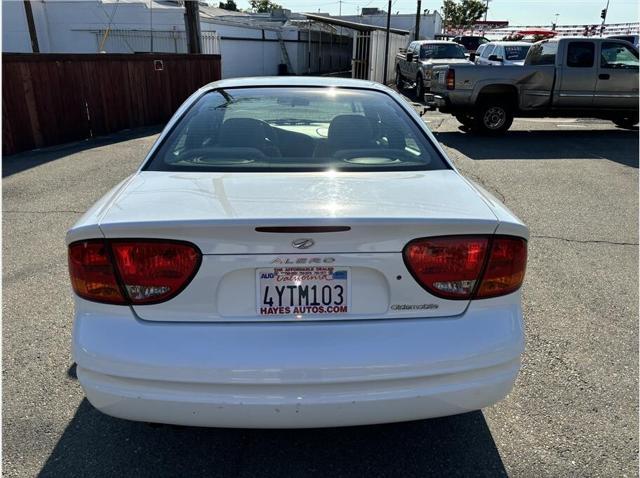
472, 43
515, 52
296, 129
542, 53
440, 51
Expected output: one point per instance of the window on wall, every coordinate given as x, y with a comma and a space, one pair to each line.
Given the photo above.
580, 54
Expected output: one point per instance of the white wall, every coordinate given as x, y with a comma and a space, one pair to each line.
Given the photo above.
15, 33
70, 26
430, 25
376, 55
63, 26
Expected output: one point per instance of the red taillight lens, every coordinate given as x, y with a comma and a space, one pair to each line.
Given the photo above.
452, 267
506, 267
146, 271
154, 271
92, 275
447, 267
451, 79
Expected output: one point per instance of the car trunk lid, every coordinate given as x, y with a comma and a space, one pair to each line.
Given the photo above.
250, 226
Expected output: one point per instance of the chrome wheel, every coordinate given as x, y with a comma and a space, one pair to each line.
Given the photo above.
494, 117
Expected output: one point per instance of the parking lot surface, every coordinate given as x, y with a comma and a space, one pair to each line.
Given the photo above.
573, 412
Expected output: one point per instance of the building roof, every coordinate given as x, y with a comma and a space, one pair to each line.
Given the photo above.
362, 27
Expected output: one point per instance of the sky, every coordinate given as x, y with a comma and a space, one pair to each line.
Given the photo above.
517, 12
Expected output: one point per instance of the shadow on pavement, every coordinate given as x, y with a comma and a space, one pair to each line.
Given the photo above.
97, 445
620, 145
16, 163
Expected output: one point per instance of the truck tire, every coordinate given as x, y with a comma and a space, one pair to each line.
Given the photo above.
626, 122
399, 80
466, 120
492, 118
419, 89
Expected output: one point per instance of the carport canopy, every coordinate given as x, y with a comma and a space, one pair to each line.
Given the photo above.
361, 27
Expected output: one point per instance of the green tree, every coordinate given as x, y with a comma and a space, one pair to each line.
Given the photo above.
462, 14
229, 5
263, 6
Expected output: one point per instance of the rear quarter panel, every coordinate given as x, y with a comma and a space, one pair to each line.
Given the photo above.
534, 84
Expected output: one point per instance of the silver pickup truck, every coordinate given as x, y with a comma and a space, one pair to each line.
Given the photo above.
413, 66
566, 77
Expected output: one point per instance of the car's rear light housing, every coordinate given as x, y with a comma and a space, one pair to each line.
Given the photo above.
467, 267
451, 79
132, 271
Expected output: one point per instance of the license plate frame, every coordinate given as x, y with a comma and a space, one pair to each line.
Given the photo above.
296, 304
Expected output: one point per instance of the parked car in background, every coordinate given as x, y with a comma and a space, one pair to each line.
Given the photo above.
633, 39
296, 252
565, 77
501, 53
471, 42
415, 65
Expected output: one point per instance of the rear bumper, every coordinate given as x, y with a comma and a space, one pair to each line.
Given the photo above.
294, 375
442, 103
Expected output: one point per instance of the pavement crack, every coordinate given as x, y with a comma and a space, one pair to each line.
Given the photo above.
60, 211
587, 241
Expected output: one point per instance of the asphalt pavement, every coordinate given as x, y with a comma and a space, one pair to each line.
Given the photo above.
573, 411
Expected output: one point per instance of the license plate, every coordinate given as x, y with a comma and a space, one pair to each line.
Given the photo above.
305, 290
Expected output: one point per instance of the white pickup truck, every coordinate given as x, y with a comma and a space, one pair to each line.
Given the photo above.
566, 77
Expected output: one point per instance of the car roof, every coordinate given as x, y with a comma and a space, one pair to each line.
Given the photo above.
508, 43
273, 81
436, 42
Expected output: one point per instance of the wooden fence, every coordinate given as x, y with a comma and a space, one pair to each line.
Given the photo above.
51, 99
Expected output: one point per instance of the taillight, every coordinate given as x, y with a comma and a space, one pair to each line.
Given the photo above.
448, 267
466, 267
505, 269
92, 275
132, 271
451, 79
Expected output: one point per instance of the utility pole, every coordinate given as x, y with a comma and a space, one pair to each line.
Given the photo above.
486, 2
417, 34
32, 27
151, 23
192, 24
386, 44
603, 15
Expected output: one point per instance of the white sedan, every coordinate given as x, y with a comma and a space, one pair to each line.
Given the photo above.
296, 252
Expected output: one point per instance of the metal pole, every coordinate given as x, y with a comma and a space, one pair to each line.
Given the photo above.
151, 22
192, 22
32, 27
386, 44
487, 10
309, 55
604, 19
417, 33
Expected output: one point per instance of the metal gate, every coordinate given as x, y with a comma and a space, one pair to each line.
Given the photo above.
368, 54
361, 53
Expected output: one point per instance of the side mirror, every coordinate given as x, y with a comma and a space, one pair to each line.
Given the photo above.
495, 58
409, 56
472, 57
